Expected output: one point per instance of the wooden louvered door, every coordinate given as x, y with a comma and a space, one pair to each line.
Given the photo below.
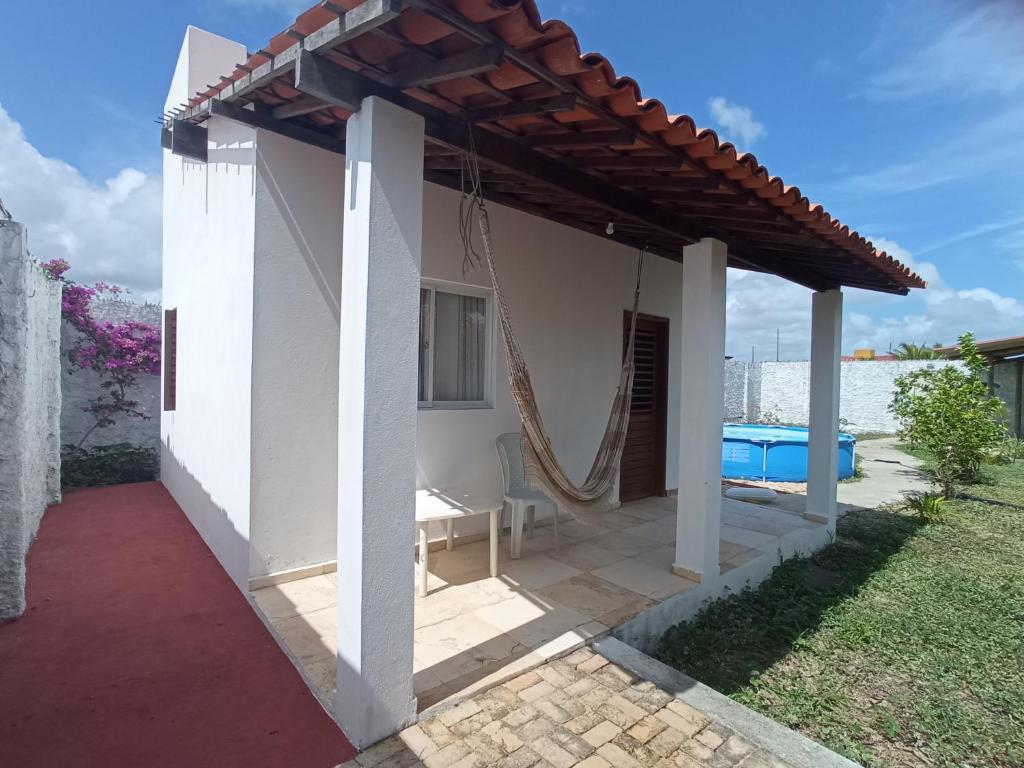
642, 473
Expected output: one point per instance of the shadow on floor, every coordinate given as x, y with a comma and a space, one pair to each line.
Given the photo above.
735, 638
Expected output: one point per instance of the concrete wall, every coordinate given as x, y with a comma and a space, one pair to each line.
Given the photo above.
299, 193
208, 265
30, 402
1008, 385
79, 387
756, 391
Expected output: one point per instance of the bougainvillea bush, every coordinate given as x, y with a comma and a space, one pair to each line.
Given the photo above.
120, 352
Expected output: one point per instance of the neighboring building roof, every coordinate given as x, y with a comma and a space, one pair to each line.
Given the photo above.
563, 136
993, 349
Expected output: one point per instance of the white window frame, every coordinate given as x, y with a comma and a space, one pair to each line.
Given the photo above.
489, 345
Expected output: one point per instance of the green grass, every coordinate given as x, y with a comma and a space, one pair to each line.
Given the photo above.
901, 644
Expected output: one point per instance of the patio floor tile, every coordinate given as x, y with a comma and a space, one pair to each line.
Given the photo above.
625, 543
649, 580
292, 598
590, 595
585, 555
537, 571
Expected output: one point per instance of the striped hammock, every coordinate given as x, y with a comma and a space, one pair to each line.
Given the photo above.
543, 471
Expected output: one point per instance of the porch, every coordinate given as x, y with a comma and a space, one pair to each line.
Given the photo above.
473, 631
371, 355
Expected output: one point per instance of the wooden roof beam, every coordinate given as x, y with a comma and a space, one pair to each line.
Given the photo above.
527, 108
466, 64
320, 77
581, 139
301, 106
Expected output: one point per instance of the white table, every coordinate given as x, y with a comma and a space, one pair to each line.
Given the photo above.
450, 505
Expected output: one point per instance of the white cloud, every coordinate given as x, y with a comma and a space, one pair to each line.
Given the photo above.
107, 232
953, 49
735, 120
759, 304
966, 151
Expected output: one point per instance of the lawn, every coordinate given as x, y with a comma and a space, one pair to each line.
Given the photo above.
901, 644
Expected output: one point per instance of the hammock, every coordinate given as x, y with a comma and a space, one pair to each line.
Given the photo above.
584, 501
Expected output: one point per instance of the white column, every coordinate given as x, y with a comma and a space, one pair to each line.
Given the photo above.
823, 441
699, 508
377, 420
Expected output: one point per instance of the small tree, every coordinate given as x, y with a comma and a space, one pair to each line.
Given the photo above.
118, 352
949, 413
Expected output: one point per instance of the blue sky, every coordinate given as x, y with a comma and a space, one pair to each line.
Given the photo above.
905, 119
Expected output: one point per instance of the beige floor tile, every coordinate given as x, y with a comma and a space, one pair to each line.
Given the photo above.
647, 509
746, 538
570, 639
590, 595
448, 601
618, 520
625, 544
282, 601
531, 621
648, 580
322, 673
744, 557
310, 637
449, 638
662, 557
728, 550
624, 613
574, 529
770, 527
658, 531
536, 571
585, 555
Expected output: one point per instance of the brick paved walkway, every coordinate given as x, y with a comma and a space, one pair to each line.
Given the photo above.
580, 711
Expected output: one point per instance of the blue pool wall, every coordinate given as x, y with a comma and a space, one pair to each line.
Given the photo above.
774, 453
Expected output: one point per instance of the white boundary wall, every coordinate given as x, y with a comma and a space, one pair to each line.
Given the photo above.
781, 390
30, 401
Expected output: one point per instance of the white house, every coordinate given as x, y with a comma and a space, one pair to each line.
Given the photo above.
328, 354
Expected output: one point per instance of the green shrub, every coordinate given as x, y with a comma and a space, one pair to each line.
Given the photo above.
950, 414
1008, 451
107, 465
927, 506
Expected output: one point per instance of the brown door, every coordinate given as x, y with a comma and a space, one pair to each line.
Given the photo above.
643, 461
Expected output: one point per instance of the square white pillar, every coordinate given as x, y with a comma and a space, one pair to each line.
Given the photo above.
383, 232
823, 440
702, 383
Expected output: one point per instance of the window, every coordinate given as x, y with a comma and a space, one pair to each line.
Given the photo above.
455, 343
170, 361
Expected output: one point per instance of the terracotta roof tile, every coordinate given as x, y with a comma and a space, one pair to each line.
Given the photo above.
554, 46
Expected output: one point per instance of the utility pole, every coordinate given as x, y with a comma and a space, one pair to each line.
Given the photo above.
777, 334
752, 353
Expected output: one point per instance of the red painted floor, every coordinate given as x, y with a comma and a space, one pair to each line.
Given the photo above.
137, 650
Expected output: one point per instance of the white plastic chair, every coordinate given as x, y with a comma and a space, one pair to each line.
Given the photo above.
520, 497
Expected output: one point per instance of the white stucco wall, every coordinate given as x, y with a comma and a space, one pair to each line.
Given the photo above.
782, 390
299, 193
30, 402
567, 291
208, 265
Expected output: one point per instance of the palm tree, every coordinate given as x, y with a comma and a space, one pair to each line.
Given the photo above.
908, 350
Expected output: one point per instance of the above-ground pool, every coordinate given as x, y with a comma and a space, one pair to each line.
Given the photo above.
766, 452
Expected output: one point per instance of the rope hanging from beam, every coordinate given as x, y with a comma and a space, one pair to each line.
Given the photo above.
543, 469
